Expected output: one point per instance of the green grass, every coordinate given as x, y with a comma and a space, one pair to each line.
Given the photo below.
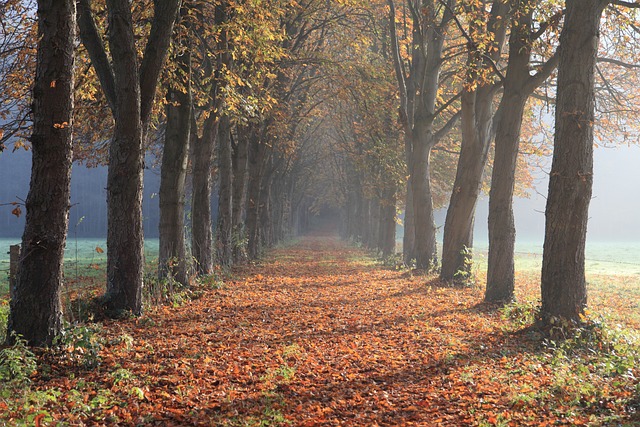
85, 260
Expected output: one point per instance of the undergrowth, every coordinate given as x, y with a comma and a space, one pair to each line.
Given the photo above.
594, 366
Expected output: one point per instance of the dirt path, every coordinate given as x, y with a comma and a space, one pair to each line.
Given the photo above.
318, 334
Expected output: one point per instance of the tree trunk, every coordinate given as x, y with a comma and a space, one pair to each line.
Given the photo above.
388, 229
502, 230
374, 224
202, 181
130, 91
425, 227
125, 241
256, 159
225, 210
36, 311
564, 293
173, 253
265, 237
477, 121
240, 165
477, 117
366, 220
409, 236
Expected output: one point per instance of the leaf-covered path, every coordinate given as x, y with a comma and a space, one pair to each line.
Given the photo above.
318, 334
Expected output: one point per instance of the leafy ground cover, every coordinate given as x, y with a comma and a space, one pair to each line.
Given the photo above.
320, 334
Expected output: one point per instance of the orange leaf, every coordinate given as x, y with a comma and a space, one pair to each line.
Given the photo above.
38, 418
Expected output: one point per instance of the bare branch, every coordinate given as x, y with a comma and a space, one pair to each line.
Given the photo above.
624, 4
397, 62
97, 53
444, 130
618, 62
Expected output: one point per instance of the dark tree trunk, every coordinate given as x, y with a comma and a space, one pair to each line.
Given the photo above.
424, 222
256, 167
265, 237
418, 99
502, 230
477, 122
130, 91
564, 293
202, 181
36, 311
125, 260
224, 248
366, 220
458, 227
240, 164
374, 224
409, 236
173, 253
388, 223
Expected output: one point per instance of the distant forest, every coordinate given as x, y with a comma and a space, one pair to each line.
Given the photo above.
88, 214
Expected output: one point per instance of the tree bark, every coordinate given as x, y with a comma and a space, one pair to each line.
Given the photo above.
425, 226
125, 260
477, 117
240, 166
418, 98
173, 174
256, 159
265, 238
201, 221
409, 236
477, 123
502, 230
224, 248
131, 100
36, 311
388, 223
564, 293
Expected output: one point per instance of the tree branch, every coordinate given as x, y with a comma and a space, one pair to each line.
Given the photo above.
397, 63
618, 62
97, 53
444, 130
164, 18
543, 73
624, 4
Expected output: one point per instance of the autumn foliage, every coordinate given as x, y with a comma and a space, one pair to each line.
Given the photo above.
321, 334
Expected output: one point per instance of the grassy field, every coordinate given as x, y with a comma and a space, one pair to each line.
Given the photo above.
613, 271
85, 259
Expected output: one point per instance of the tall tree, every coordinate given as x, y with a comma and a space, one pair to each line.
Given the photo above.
130, 90
485, 40
564, 293
172, 260
519, 84
240, 164
225, 208
418, 84
36, 311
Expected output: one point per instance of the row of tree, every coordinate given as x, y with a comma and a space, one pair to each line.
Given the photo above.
468, 74
293, 106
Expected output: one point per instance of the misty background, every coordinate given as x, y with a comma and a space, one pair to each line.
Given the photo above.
613, 212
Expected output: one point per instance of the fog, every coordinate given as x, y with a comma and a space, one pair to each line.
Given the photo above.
88, 214
613, 212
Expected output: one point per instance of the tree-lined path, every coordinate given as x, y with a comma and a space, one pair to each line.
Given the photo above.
319, 334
